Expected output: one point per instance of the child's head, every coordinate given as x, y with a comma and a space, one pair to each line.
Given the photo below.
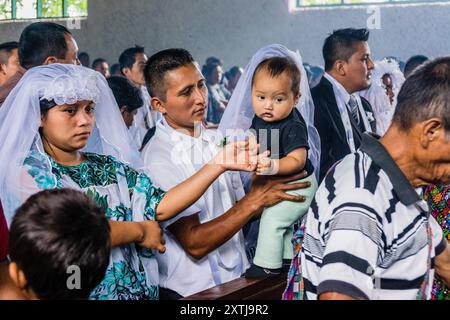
275, 88
59, 245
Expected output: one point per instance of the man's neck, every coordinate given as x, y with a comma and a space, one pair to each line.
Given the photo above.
398, 145
342, 81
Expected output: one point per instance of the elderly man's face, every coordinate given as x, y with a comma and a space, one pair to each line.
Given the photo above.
186, 97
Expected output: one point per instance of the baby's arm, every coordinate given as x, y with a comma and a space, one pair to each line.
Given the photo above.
292, 163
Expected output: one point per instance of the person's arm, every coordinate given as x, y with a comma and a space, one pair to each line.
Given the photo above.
147, 234
199, 239
293, 162
442, 264
234, 156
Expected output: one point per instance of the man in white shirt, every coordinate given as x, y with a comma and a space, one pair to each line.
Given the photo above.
204, 243
341, 116
132, 62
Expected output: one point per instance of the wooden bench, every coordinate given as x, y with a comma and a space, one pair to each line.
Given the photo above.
270, 288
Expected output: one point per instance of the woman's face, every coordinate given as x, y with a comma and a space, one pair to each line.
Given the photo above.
68, 127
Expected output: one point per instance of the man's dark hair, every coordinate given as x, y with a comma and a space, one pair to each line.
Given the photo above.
425, 95
84, 59
128, 57
213, 60
41, 40
54, 230
276, 66
413, 63
207, 69
98, 62
159, 64
126, 93
232, 72
341, 45
115, 69
6, 50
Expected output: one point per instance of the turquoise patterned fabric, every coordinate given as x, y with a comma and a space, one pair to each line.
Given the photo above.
126, 195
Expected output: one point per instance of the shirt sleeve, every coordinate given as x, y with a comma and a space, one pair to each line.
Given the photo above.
294, 136
352, 240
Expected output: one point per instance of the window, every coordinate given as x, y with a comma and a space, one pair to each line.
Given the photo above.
36, 9
330, 3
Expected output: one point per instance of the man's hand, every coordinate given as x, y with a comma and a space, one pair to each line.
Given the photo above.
151, 236
268, 191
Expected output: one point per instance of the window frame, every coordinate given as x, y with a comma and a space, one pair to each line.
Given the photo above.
299, 5
39, 14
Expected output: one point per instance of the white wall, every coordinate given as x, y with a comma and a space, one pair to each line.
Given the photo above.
235, 29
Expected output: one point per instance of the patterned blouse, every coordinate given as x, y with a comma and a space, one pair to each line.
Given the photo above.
126, 195
438, 198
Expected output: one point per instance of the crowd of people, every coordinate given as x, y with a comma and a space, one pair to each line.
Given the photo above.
156, 178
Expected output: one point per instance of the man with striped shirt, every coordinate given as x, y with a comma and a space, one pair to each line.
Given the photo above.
368, 234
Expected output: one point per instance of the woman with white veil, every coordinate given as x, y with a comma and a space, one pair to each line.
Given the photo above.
387, 79
275, 233
61, 127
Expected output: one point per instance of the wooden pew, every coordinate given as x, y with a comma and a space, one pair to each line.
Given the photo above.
270, 288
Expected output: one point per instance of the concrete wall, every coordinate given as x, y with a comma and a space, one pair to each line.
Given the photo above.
235, 29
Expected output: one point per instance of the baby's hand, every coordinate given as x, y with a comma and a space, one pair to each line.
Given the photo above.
266, 166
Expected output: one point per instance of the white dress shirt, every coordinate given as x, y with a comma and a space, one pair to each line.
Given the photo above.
170, 158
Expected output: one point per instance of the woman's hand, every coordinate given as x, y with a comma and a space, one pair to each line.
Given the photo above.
151, 236
238, 156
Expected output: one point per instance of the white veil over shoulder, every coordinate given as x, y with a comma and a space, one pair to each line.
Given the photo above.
20, 119
239, 112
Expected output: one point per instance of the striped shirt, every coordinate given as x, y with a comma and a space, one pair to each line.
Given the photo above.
368, 234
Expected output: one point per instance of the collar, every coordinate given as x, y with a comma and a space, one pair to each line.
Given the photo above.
187, 140
344, 95
403, 188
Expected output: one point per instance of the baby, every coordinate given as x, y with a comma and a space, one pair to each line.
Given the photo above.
280, 128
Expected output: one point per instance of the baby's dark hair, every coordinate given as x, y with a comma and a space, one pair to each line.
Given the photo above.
276, 66
54, 231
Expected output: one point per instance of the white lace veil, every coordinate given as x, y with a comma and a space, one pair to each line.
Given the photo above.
20, 118
376, 93
239, 112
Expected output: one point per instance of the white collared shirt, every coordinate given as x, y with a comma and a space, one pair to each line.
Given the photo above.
170, 158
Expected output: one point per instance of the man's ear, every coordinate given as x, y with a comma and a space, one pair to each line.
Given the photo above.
50, 60
340, 67
126, 71
17, 276
158, 105
431, 131
2, 68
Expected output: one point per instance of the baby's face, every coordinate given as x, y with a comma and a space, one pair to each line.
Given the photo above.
272, 98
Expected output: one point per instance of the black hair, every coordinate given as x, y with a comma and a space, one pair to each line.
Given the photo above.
340, 45
84, 59
213, 60
276, 66
97, 62
57, 229
41, 40
413, 63
128, 57
6, 50
207, 69
232, 72
424, 95
125, 93
159, 64
115, 69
